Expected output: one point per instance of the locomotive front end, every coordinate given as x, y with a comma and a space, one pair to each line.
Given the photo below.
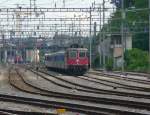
77, 60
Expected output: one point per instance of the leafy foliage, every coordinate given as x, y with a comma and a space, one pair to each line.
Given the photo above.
130, 3
140, 41
109, 64
96, 62
136, 60
136, 22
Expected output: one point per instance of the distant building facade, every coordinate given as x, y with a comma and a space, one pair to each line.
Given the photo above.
111, 46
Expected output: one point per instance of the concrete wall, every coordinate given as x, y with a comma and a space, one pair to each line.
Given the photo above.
128, 43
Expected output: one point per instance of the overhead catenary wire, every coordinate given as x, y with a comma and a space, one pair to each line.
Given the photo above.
5, 1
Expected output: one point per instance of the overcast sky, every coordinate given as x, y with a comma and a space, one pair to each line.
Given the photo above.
50, 3
8, 24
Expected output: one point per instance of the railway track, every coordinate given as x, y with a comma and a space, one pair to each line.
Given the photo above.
119, 75
15, 112
45, 77
5, 112
115, 84
125, 72
72, 107
135, 73
100, 91
23, 100
98, 100
112, 84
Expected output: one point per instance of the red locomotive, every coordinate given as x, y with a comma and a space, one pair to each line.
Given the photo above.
74, 60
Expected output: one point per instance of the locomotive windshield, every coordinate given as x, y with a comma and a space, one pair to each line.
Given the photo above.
82, 54
73, 54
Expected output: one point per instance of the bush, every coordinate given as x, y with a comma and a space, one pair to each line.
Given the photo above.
109, 64
136, 60
96, 62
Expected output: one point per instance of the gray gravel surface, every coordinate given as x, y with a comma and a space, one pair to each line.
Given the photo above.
4, 81
32, 78
35, 79
28, 108
41, 83
6, 88
79, 81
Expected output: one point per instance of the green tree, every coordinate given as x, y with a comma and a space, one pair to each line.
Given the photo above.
96, 61
136, 22
109, 64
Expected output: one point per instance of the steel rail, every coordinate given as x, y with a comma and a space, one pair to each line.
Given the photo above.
17, 112
113, 83
97, 90
124, 104
126, 78
47, 104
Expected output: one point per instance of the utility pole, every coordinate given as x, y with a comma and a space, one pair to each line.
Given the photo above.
90, 38
30, 4
11, 43
149, 34
3, 49
33, 4
100, 51
64, 3
122, 32
103, 50
79, 25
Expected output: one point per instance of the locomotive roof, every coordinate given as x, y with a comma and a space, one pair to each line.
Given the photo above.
77, 49
60, 52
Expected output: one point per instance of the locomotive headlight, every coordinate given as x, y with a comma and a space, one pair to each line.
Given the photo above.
77, 61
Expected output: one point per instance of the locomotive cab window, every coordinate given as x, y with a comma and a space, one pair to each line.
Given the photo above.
82, 54
72, 54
